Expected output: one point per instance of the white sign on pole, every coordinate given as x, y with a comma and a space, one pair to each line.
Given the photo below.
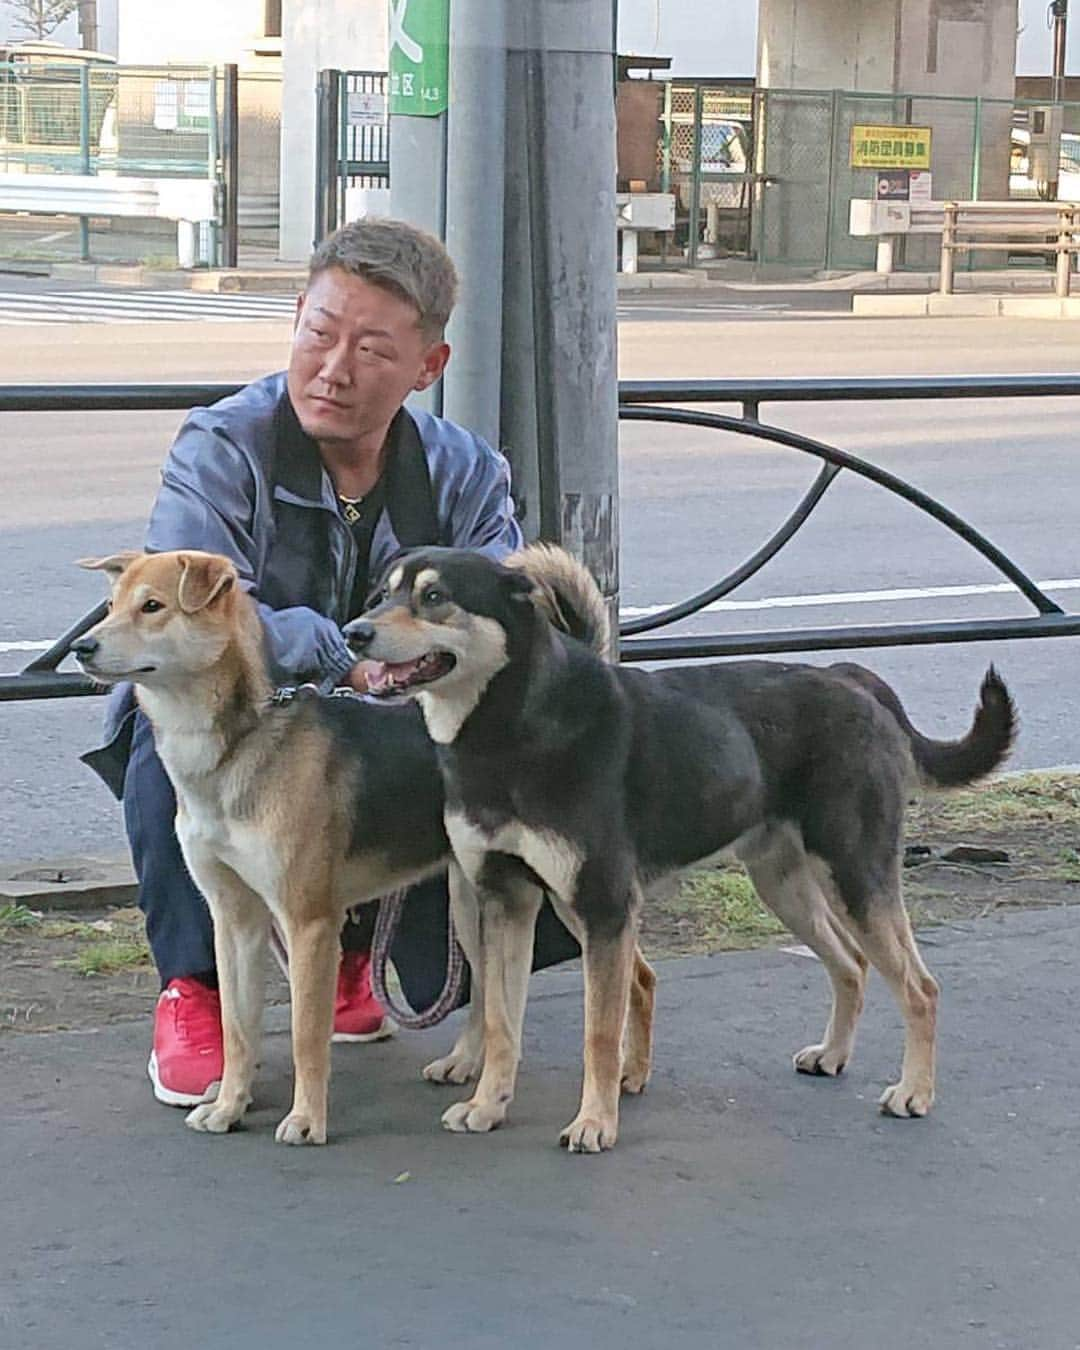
921, 186
365, 109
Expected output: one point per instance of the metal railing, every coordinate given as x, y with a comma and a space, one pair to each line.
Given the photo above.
1010, 228
658, 401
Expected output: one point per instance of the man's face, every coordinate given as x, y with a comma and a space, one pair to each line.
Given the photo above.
357, 352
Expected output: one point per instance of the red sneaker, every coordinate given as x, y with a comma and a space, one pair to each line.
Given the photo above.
188, 1057
358, 1014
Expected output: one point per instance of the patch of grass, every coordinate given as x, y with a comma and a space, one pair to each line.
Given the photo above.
109, 957
1030, 798
712, 910
68, 928
1068, 868
15, 916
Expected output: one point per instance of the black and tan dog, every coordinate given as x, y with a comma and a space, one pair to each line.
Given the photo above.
565, 772
294, 810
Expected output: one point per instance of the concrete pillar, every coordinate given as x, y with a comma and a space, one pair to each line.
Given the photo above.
317, 35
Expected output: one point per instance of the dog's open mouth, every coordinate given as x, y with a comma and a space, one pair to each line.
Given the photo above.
396, 677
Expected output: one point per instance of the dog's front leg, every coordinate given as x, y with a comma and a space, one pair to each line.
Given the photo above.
466, 1058
314, 954
507, 928
241, 931
609, 967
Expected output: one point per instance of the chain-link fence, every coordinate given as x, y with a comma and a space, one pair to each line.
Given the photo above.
706, 159
770, 174
97, 119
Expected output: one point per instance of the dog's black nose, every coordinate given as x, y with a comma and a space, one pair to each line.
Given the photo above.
85, 647
359, 634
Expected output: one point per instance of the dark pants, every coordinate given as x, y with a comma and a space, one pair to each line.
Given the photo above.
178, 925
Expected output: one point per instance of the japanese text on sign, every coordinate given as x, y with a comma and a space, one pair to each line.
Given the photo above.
875, 147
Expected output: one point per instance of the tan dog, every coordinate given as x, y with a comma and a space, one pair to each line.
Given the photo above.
296, 810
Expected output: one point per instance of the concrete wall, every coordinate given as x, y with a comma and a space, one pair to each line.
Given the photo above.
907, 46
827, 44
317, 35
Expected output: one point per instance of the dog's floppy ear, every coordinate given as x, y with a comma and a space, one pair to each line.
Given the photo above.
203, 577
113, 566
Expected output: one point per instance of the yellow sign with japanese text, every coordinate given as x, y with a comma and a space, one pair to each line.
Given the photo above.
890, 147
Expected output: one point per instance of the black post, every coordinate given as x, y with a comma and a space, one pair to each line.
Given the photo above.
327, 152
1059, 11
230, 163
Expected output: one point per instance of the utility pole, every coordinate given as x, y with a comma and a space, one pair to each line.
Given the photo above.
559, 383
1059, 13
88, 25
516, 170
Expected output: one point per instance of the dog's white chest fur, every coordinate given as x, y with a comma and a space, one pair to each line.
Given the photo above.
550, 855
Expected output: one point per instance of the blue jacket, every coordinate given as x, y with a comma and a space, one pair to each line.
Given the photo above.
243, 479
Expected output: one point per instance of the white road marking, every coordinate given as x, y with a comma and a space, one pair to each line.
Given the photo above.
24, 307
854, 597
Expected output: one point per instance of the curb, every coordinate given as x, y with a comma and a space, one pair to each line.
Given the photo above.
69, 883
266, 281
966, 306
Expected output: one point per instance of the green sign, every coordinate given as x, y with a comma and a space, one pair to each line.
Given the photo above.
419, 56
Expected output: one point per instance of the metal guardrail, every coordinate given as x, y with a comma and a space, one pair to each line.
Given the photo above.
1015, 227
656, 400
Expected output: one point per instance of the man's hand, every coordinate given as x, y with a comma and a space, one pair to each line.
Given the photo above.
357, 678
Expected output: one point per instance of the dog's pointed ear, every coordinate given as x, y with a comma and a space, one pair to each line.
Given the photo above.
113, 566
203, 578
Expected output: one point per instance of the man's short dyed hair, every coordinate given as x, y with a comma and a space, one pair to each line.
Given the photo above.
400, 258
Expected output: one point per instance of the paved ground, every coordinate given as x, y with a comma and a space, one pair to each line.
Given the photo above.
745, 1207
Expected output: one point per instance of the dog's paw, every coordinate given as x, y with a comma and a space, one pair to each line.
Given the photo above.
903, 1100
589, 1134
215, 1117
300, 1129
823, 1060
634, 1078
474, 1117
453, 1068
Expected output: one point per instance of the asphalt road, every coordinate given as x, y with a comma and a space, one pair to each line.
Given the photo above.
745, 1207
694, 504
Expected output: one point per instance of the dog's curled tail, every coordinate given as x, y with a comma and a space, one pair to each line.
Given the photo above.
953, 763
567, 594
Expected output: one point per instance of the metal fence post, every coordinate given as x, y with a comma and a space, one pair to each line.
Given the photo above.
948, 239
976, 152
830, 187
694, 224
212, 169
328, 104
1063, 276
84, 153
230, 164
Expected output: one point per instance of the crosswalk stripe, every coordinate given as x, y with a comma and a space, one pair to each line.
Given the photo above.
21, 308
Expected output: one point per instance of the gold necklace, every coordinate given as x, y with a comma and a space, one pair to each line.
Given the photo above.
350, 508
